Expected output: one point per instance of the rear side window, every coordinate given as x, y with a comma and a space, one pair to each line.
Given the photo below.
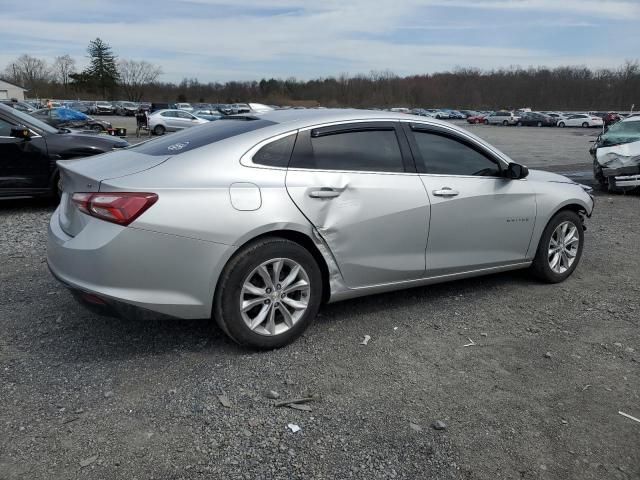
276, 153
199, 136
444, 155
366, 150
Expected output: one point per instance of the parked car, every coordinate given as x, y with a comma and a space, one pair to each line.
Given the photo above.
104, 108
535, 119
184, 106
501, 117
68, 118
455, 114
421, 112
610, 118
616, 156
21, 106
477, 118
172, 120
257, 221
439, 114
581, 120
469, 113
240, 108
162, 106
557, 116
126, 109
208, 114
82, 107
29, 149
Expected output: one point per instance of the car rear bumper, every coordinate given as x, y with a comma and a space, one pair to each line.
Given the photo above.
127, 271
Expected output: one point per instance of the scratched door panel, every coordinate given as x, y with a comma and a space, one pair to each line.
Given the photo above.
376, 226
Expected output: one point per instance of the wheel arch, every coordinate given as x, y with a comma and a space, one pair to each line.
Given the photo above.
296, 236
570, 205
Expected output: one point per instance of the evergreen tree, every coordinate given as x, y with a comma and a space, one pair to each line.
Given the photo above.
102, 70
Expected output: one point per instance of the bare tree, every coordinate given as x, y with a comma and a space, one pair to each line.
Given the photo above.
135, 76
63, 67
28, 71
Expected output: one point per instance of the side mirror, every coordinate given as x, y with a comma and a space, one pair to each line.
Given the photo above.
20, 132
515, 171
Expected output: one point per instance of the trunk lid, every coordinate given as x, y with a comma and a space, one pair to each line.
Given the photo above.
86, 175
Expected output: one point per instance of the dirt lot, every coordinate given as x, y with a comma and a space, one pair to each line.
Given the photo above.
536, 397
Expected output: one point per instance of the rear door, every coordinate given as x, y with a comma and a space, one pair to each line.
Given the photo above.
357, 185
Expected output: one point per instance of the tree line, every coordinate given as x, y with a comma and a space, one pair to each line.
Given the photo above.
542, 88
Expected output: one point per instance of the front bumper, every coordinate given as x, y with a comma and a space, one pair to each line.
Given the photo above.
623, 176
125, 267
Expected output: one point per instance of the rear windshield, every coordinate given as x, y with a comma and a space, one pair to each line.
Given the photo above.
196, 137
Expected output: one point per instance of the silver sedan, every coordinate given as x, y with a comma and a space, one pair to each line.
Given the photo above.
257, 220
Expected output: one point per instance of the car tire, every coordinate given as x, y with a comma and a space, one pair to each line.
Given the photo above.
599, 176
539, 124
159, 130
585, 125
505, 123
486, 122
243, 272
561, 124
544, 266
97, 128
519, 124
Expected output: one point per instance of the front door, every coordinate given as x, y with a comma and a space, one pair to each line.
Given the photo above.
24, 164
354, 183
479, 219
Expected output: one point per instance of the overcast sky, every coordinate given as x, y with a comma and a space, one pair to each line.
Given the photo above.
220, 40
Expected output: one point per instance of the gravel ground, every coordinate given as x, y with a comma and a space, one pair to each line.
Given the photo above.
536, 397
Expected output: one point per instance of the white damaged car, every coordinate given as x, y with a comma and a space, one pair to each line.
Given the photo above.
616, 156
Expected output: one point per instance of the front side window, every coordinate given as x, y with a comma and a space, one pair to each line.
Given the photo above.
444, 155
5, 128
168, 114
364, 150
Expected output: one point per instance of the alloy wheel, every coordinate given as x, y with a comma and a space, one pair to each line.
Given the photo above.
563, 247
274, 296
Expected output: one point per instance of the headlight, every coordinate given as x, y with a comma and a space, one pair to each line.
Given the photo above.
587, 189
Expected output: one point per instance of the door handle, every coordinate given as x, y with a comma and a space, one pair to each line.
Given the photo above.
324, 192
446, 192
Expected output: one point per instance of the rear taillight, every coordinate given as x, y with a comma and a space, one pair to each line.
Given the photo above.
116, 207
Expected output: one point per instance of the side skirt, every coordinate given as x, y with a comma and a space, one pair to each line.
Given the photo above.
348, 293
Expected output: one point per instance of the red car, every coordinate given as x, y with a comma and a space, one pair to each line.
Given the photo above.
477, 118
611, 118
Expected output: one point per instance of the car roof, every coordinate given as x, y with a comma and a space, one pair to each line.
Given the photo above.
303, 118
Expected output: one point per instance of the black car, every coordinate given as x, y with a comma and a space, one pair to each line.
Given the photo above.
68, 118
29, 149
535, 119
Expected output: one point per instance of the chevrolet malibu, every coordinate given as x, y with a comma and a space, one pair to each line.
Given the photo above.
255, 221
